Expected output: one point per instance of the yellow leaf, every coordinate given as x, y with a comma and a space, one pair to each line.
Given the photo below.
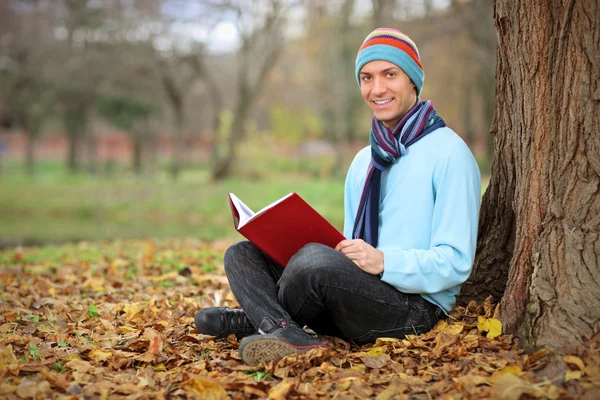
454, 329
160, 367
509, 369
46, 327
440, 326
569, 375
204, 389
495, 328
376, 351
128, 329
483, 325
575, 361
99, 355
492, 326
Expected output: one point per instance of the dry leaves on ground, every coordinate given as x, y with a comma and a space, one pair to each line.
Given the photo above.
115, 320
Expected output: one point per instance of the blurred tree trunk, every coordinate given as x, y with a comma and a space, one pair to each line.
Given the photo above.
342, 103
266, 41
176, 97
137, 140
383, 13
74, 117
30, 152
90, 144
539, 230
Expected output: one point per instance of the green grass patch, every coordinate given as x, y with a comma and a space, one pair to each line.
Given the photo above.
58, 208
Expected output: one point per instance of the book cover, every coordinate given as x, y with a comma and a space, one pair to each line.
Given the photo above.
283, 227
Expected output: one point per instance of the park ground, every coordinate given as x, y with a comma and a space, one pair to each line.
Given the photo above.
83, 315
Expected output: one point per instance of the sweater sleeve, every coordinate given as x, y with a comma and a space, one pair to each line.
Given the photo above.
449, 259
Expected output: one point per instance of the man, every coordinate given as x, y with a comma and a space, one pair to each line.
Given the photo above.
411, 208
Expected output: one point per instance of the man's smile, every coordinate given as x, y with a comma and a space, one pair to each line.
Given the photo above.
382, 102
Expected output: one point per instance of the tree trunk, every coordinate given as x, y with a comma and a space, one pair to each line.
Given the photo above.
383, 13
30, 153
137, 150
540, 217
177, 140
223, 165
72, 155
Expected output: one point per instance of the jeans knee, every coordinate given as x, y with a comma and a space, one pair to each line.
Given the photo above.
309, 263
235, 253
311, 255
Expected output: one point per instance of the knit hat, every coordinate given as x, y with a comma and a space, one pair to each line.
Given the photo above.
391, 45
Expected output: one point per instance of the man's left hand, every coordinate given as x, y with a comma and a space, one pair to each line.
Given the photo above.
365, 256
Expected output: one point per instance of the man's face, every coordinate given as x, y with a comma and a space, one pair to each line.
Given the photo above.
387, 90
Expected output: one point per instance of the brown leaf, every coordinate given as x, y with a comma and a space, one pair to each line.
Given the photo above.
509, 387
80, 366
8, 361
30, 388
283, 388
443, 341
376, 362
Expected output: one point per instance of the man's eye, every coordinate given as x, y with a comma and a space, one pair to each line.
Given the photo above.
391, 74
366, 78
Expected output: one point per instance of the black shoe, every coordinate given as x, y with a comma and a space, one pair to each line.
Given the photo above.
222, 322
276, 341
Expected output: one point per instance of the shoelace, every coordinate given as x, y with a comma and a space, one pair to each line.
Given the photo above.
236, 321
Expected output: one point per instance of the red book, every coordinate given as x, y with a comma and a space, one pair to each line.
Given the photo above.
283, 227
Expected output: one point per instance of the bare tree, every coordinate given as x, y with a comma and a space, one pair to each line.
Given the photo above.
538, 245
383, 13
259, 25
24, 84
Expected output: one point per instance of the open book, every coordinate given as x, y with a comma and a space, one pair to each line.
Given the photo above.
283, 227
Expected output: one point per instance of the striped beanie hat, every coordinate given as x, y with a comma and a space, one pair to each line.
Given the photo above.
391, 45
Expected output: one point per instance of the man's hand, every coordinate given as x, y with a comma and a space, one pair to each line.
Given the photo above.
367, 257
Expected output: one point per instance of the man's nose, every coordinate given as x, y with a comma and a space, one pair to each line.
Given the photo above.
378, 86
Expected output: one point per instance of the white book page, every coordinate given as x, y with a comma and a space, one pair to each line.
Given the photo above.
246, 214
243, 210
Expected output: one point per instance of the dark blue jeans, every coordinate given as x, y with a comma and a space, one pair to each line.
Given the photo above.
325, 290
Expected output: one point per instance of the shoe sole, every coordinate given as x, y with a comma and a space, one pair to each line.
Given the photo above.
253, 350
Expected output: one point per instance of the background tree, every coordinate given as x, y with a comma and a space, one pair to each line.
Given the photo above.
539, 230
259, 25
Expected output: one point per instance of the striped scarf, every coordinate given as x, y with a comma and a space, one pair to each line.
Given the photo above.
386, 148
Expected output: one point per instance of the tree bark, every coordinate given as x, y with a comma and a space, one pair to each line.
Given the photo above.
540, 217
30, 153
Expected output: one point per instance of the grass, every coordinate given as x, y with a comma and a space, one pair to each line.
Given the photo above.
56, 207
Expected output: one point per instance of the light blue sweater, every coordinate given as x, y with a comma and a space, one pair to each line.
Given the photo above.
427, 216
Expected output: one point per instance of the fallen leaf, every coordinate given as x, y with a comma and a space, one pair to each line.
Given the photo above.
99, 355
204, 389
492, 326
282, 390
8, 361
80, 366
510, 387
573, 360
32, 389
376, 362
570, 375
